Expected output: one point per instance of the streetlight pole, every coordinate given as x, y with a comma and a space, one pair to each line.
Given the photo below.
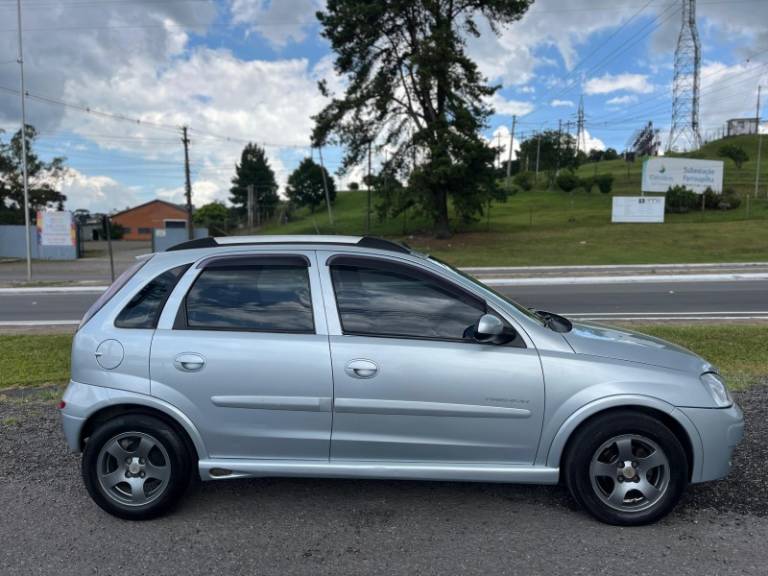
24, 146
759, 143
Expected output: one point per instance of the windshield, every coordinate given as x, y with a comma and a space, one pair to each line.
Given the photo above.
527, 311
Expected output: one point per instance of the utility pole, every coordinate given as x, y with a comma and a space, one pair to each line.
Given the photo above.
368, 210
511, 146
25, 174
538, 153
250, 207
759, 143
188, 186
325, 186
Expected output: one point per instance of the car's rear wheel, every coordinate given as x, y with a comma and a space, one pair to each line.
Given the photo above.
135, 466
626, 468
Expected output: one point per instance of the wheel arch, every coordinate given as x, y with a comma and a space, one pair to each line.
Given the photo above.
190, 439
670, 416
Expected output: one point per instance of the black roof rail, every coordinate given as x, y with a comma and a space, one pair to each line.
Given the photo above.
373, 242
383, 244
207, 242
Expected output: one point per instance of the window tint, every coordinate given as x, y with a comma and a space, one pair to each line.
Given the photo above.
143, 311
394, 300
107, 295
262, 298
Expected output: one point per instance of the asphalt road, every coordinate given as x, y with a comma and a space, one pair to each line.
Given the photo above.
691, 300
338, 527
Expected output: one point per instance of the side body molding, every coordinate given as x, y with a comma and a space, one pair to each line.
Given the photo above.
82, 401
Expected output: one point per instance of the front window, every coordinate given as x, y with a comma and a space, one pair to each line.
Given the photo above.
519, 307
387, 299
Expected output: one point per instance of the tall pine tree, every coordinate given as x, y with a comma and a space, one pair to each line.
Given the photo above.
413, 89
254, 170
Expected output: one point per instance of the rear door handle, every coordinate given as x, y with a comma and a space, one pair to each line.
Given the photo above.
189, 362
361, 368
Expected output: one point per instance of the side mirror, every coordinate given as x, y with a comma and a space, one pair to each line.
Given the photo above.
488, 328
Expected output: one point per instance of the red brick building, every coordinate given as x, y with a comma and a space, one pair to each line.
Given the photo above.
139, 221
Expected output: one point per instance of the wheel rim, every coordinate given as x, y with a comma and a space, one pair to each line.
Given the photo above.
133, 468
629, 473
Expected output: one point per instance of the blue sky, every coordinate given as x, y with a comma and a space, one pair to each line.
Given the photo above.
246, 70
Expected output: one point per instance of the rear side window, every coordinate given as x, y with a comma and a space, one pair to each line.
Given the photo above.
143, 311
107, 295
251, 297
386, 299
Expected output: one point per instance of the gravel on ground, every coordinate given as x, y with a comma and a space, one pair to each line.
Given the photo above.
309, 526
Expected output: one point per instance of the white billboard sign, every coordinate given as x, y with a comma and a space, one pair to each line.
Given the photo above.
56, 228
638, 209
696, 175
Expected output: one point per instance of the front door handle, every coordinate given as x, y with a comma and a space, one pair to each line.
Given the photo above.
361, 368
189, 362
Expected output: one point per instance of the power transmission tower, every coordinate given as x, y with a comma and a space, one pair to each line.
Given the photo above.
581, 135
684, 133
188, 183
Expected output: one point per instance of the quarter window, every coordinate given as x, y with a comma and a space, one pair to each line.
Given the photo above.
143, 311
251, 297
386, 299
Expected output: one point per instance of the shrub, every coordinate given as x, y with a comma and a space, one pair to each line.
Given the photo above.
728, 200
524, 180
567, 181
681, 200
604, 183
735, 153
588, 183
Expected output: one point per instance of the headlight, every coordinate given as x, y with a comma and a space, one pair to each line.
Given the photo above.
716, 386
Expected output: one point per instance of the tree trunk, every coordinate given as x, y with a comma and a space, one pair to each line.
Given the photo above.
442, 225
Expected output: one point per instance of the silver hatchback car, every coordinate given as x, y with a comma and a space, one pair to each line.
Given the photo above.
334, 356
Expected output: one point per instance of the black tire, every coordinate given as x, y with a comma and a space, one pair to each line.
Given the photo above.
169, 455
592, 495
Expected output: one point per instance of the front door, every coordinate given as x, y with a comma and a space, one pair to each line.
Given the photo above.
246, 357
410, 386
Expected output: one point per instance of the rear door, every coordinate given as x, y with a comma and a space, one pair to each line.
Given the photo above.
410, 385
242, 350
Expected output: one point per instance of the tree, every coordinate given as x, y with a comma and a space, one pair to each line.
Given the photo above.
551, 155
412, 89
567, 181
305, 185
43, 179
610, 154
254, 170
213, 215
735, 153
604, 183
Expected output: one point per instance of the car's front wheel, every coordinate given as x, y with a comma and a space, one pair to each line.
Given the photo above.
626, 468
135, 466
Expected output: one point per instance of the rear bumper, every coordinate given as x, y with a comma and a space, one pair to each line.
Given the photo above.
720, 430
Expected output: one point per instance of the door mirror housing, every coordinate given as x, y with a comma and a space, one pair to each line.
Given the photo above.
488, 328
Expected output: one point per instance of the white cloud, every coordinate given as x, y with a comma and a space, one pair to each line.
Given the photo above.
622, 100
562, 103
279, 21
593, 142
608, 83
96, 193
507, 107
514, 56
500, 139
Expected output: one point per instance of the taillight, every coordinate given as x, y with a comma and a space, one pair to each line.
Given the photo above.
62, 404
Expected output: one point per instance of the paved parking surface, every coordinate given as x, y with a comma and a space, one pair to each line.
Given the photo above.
297, 526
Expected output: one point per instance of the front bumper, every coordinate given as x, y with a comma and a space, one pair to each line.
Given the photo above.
720, 430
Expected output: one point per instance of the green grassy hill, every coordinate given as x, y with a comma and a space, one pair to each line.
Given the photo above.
550, 227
